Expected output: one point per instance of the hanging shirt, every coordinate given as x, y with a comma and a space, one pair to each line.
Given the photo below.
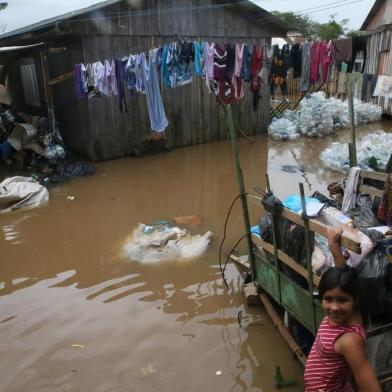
149, 73
342, 49
112, 78
305, 70
120, 66
184, 73
208, 70
130, 72
230, 61
314, 63
325, 59
296, 59
267, 64
99, 76
286, 54
199, 58
106, 88
80, 85
237, 81
220, 62
246, 64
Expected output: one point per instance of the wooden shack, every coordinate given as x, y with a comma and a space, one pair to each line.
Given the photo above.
96, 128
378, 25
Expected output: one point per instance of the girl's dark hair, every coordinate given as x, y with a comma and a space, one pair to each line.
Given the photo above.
346, 279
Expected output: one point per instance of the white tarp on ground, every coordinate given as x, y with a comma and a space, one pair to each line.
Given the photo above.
165, 243
21, 192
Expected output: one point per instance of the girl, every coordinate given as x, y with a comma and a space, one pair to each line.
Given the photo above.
339, 348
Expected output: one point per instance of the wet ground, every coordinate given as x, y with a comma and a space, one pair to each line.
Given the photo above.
76, 315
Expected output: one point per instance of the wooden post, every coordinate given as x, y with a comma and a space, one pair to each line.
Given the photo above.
308, 254
47, 89
240, 179
352, 124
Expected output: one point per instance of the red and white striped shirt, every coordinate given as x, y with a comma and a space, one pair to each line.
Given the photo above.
326, 370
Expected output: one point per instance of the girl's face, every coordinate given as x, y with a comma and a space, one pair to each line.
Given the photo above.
339, 306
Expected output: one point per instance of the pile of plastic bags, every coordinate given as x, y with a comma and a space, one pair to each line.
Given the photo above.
319, 116
373, 149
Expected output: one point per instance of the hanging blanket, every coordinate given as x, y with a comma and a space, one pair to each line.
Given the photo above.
21, 192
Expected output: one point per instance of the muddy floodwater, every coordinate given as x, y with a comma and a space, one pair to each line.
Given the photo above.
77, 315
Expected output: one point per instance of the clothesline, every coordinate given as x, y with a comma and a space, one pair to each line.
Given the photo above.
227, 66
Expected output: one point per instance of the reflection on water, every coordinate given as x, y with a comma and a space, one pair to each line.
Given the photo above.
76, 315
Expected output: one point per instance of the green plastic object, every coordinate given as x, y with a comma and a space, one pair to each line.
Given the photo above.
279, 381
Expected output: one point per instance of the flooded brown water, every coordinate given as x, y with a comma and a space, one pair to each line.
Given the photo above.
76, 315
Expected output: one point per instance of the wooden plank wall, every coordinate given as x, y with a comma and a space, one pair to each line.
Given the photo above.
97, 129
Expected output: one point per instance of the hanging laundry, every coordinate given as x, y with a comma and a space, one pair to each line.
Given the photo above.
184, 73
99, 77
220, 62
278, 73
286, 54
120, 66
230, 61
238, 83
257, 60
130, 73
140, 84
325, 59
314, 76
368, 86
246, 64
148, 71
357, 79
358, 44
112, 78
296, 60
342, 49
265, 74
208, 70
383, 87
199, 58
305, 71
80, 81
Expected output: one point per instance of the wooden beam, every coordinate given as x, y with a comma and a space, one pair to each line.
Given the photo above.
370, 190
285, 259
60, 78
56, 50
374, 175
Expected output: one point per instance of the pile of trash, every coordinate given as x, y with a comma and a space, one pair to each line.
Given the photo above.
319, 116
283, 129
373, 152
162, 241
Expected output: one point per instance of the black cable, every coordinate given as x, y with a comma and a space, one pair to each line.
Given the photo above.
222, 270
224, 237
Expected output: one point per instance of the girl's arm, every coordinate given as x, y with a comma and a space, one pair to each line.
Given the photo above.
352, 347
334, 237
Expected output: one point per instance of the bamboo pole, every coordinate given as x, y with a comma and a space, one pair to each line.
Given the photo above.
240, 179
282, 329
349, 87
308, 254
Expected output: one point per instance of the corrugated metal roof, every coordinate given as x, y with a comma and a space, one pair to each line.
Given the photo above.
256, 14
48, 22
376, 6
